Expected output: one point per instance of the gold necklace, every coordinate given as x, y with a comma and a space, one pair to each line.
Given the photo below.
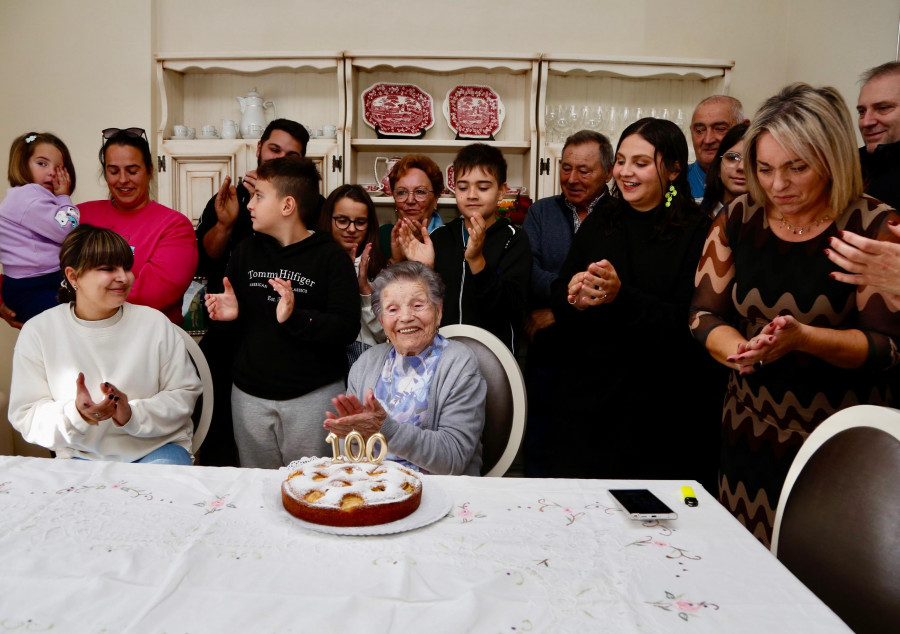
799, 231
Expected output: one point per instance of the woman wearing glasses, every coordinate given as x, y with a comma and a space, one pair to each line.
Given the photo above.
349, 215
725, 177
416, 184
162, 239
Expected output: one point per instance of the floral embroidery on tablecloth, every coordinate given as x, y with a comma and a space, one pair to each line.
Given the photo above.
569, 513
466, 514
121, 485
216, 504
28, 625
684, 609
3, 486
674, 551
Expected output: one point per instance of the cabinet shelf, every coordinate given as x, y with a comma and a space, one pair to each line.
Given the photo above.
438, 145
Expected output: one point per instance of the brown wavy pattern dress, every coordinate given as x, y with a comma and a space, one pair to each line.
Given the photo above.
746, 277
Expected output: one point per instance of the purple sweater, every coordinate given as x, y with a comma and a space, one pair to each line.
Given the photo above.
33, 223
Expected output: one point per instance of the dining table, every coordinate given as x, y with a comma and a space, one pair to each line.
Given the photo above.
91, 546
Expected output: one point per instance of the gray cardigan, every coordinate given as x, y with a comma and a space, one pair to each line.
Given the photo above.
449, 442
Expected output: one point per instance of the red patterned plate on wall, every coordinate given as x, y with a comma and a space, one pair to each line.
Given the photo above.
398, 109
474, 112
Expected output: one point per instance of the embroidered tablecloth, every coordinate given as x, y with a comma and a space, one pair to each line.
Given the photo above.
109, 547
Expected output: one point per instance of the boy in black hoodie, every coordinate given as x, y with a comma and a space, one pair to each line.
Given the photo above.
295, 297
484, 261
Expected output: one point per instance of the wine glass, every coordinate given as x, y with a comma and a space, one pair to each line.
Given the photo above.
612, 122
681, 122
565, 121
550, 115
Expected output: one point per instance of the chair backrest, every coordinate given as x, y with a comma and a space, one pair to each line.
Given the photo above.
837, 526
207, 398
504, 416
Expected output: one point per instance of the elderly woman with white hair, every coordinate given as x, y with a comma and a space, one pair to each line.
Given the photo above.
800, 344
423, 392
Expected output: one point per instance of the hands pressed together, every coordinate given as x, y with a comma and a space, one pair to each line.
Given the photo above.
599, 284
365, 417
781, 335
113, 405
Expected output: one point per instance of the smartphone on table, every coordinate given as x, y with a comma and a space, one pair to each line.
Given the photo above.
640, 504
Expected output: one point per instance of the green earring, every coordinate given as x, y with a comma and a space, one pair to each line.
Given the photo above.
670, 195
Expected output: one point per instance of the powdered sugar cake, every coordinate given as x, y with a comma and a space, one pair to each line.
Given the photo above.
322, 491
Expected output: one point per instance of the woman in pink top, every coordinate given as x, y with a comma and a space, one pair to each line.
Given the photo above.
162, 239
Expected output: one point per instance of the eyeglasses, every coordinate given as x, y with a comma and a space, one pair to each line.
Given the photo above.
733, 157
419, 194
342, 222
138, 133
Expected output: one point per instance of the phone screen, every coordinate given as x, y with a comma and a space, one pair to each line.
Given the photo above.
642, 504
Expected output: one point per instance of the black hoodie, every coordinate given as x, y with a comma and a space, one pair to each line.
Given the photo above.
284, 361
495, 299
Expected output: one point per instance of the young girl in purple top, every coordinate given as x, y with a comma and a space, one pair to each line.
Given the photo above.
35, 217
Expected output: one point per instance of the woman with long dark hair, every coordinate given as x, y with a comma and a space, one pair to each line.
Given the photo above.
630, 376
349, 216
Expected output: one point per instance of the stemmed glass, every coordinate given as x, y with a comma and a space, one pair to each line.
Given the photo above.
612, 123
681, 122
592, 118
565, 121
550, 115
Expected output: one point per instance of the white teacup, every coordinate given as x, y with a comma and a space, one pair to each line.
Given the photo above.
208, 130
191, 133
181, 131
329, 131
255, 130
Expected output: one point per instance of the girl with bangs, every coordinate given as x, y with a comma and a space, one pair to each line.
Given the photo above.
97, 378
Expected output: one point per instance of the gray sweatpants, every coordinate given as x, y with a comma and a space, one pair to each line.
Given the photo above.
269, 434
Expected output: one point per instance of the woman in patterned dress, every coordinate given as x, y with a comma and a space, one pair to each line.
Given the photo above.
800, 344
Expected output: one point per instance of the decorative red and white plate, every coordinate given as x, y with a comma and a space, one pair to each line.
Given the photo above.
474, 112
451, 178
398, 109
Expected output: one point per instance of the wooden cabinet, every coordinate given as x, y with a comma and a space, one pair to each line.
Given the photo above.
202, 90
319, 89
514, 79
655, 85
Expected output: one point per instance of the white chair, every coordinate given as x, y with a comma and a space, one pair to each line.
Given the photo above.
837, 526
506, 405
206, 378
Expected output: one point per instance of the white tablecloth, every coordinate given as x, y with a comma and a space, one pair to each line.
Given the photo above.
108, 547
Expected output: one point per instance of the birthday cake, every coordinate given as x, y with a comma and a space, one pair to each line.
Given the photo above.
342, 493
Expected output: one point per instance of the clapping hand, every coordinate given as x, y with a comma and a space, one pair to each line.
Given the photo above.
286, 303
362, 276
780, 336
599, 284
414, 249
366, 417
226, 203
114, 404
222, 306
